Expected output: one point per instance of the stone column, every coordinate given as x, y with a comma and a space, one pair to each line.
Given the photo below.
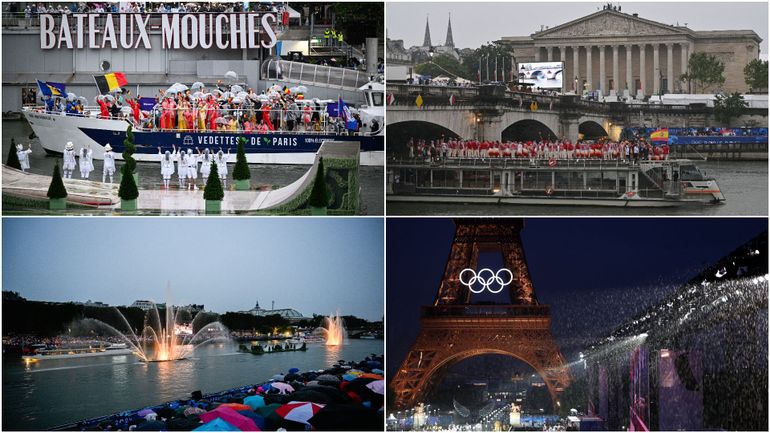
563, 58
670, 67
602, 71
629, 71
537, 53
685, 59
615, 75
656, 69
549, 50
643, 69
576, 69
589, 69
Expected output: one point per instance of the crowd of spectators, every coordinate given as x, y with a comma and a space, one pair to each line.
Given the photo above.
442, 149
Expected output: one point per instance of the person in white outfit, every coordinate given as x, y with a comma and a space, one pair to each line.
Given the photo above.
181, 161
69, 160
192, 168
23, 156
109, 163
166, 166
221, 160
206, 158
86, 162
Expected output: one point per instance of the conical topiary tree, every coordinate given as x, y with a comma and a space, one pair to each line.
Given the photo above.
13, 158
213, 189
241, 169
319, 195
128, 189
129, 149
56, 189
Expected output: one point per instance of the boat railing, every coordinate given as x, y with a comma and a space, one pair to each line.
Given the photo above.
310, 74
514, 162
18, 20
280, 119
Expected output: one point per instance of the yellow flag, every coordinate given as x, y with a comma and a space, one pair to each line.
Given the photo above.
533, 106
418, 101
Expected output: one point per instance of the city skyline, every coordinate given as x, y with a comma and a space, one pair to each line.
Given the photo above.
175, 246
407, 20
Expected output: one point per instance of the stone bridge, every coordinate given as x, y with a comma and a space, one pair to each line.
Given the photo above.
494, 113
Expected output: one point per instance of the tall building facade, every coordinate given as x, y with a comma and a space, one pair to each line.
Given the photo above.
613, 52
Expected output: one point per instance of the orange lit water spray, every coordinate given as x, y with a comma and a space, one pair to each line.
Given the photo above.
335, 330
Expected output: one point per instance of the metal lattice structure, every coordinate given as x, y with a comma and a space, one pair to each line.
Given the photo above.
453, 329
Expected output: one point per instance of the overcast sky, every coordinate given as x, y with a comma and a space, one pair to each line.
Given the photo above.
474, 24
314, 265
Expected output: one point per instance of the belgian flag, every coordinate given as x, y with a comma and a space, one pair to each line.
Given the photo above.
109, 82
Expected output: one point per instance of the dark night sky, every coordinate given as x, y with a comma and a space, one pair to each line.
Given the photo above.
594, 272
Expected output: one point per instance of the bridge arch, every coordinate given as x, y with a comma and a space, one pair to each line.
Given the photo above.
400, 132
527, 130
437, 372
592, 130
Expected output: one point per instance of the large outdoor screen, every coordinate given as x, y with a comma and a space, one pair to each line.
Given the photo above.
542, 75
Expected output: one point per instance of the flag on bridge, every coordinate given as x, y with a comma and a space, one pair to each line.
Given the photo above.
418, 101
660, 136
109, 82
48, 88
391, 99
451, 99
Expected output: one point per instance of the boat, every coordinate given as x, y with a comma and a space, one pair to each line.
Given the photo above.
55, 129
570, 182
257, 349
40, 352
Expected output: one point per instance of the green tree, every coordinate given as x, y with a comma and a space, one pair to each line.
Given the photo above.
128, 189
486, 54
319, 195
727, 107
359, 20
705, 71
129, 149
241, 169
443, 64
213, 189
56, 189
755, 73
13, 158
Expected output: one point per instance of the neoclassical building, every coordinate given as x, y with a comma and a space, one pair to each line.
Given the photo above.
611, 51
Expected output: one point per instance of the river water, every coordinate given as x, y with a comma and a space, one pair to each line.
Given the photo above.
744, 185
54, 392
370, 178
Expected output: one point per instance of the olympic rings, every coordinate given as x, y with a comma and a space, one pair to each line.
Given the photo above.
486, 283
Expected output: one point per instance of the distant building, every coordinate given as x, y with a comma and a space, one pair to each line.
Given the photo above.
144, 305
147, 305
612, 51
398, 54
90, 303
287, 313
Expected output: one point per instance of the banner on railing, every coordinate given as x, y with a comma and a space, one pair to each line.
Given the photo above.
188, 31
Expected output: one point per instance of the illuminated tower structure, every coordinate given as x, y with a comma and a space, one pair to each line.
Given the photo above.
453, 329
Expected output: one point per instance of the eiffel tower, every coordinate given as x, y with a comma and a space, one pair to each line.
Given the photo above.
453, 329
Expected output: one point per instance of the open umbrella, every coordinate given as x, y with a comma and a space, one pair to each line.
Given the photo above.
197, 86
71, 96
217, 424
277, 377
328, 378
254, 401
231, 75
377, 386
283, 388
299, 411
151, 426
236, 88
237, 406
346, 417
109, 98
231, 416
294, 370
258, 420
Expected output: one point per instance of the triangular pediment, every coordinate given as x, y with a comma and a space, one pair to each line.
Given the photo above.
610, 23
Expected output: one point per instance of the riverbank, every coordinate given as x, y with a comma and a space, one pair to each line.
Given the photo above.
346, 396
